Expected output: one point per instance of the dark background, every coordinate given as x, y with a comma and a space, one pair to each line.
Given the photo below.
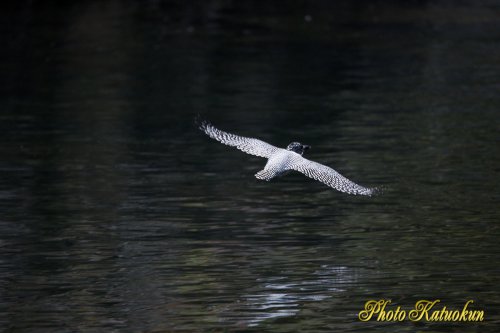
117, 214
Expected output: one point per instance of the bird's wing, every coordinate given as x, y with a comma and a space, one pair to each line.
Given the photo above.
248, 145
328, 176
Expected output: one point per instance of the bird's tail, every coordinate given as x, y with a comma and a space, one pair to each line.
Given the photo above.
265, 174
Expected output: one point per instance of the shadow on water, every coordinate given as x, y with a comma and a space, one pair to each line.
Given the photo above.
118, 214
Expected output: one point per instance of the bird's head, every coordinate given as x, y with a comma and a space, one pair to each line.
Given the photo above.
297, 147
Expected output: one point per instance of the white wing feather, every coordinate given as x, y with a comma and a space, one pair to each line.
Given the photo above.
328, 176
248, 145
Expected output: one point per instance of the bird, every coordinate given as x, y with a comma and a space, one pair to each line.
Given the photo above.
282, 161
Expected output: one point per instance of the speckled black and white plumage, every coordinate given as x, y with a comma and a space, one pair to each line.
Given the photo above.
248, 145
281, 161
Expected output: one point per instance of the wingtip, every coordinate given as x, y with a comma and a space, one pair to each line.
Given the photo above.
369, 192
201, 123
374, 191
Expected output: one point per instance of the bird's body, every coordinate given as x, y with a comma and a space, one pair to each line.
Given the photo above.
282, 161
279, 164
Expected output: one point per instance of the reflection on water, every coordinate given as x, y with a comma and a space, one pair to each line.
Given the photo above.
280, 298
118, 214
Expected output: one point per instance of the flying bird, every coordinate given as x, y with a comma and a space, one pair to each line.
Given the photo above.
281, 161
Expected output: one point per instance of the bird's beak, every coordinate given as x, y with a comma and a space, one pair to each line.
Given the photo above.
307, 147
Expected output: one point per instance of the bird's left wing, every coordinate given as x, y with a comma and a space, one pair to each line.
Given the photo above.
328, 176
248, 145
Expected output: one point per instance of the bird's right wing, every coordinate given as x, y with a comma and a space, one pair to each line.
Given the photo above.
248, 145
328, 176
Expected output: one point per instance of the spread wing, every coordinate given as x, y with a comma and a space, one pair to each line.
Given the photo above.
328, 176
248, 145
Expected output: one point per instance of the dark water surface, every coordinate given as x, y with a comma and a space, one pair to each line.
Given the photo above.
117, 214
